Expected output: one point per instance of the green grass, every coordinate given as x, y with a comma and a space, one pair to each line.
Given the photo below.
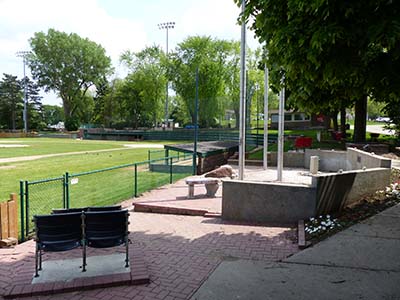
11, 173
43, 146
102, 188
96, 189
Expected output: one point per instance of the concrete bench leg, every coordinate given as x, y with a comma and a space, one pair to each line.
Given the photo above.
191, 191
211, 189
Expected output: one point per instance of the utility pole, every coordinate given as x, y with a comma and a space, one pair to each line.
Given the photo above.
23, 54
166, 26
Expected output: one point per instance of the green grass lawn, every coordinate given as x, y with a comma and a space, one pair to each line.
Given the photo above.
11, 173
41, 146
102, 188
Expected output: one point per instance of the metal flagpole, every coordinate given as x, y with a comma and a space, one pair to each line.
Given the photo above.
266, 119
196, 112
281, 127
242, 124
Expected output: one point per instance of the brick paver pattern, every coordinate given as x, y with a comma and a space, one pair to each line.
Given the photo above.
180, 252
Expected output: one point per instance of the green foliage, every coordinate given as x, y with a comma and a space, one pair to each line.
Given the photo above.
143, 91
179, 111
375, 109
71, 123
209, 56
333, 53
11, 102
52, 114
67, 64
34, 104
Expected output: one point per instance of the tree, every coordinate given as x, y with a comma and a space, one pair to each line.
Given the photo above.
332, 52
11, 102
34, 104
148, 73
52, 114
68, 65
210, 57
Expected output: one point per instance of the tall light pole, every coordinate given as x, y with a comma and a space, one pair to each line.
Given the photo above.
23, 54
166, 26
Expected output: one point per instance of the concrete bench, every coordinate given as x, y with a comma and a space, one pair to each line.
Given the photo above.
211, 185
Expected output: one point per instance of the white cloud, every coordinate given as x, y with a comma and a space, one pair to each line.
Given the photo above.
20, 19
130, 25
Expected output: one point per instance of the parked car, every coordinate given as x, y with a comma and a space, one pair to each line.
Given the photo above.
190, 126
382, 119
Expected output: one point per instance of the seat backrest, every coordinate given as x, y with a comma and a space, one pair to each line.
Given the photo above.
68, 210
58, 232
104, 208
105, 229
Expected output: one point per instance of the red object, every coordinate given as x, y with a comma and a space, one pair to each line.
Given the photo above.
303, 142
338, 136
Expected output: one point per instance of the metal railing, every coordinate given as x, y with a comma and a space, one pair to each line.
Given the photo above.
97, 187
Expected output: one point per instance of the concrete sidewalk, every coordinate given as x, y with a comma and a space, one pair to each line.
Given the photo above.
361, 262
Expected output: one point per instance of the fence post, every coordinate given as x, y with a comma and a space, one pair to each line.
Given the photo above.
67, 189
170, 170
149, 157
21, 206
135, 180
26, 208
64, 198
166, 156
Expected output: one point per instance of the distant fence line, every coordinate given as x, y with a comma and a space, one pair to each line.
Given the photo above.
174, 135
98, 187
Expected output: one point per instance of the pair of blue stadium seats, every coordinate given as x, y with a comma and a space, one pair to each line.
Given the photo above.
67, 229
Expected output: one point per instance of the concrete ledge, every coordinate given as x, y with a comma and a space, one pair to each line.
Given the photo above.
267, 202
158, 209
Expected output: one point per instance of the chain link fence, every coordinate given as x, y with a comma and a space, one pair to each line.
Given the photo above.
98, 187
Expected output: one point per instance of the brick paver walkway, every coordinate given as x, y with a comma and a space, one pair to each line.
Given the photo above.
180, 251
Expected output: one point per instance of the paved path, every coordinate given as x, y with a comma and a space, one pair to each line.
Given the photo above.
377, 129
362, 262
180, 251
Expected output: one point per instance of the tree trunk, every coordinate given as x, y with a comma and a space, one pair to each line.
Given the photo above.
237, 118
67, 108
360, 121
334, 120
343, 121
327, 121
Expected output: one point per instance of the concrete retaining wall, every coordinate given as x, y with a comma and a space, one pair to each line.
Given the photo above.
290, 159
367, 183
267, 202
339, 190
329, 161
358, 159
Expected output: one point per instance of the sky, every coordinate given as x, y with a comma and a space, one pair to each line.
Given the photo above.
117, 25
